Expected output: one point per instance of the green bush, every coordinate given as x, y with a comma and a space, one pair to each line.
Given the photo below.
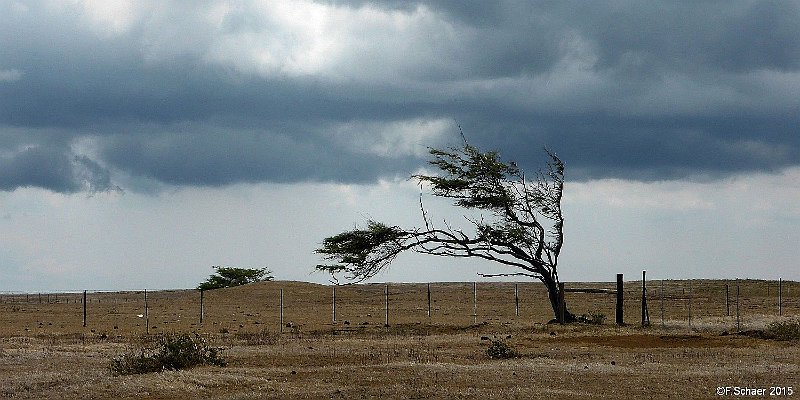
598, 318
172, 352
499, 350
787, 330
231, 276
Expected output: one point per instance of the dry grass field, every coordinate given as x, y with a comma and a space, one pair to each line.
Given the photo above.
47, 353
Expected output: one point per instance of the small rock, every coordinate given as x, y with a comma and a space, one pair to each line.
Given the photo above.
552, 333
484, 338
613, 363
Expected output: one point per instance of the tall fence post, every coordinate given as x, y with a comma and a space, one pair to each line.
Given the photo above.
386, 295
691, 293
333, 301
661, 292
474, 303
429, 300
780, 296
202, 310
281, 310
561, 309
84, 308
146, 314
645, 312
516, 299
620, 299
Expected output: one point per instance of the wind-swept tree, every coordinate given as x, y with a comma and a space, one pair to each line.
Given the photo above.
517, 222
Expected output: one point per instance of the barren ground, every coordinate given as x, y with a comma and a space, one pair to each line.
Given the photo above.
45, 352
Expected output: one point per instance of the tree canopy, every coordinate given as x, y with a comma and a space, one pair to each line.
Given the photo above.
231, 276
519, 223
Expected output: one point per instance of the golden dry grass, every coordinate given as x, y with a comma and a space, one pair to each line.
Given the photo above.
45, 352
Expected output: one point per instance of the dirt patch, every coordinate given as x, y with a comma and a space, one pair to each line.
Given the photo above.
644, 341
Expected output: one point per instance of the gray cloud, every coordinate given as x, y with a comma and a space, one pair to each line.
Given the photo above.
53, 168
208, 95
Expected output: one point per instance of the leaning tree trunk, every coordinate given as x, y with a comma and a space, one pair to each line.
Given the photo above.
552, 294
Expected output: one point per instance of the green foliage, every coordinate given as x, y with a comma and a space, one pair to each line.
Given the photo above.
500, 350
369, 249
786, 330
229, 277
598, 318
172, 352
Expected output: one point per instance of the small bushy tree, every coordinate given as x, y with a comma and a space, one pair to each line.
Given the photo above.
230, 276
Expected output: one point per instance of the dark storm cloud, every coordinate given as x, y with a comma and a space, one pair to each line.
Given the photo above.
197, 96
53, 168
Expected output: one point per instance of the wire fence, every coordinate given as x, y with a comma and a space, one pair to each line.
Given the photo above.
304, 307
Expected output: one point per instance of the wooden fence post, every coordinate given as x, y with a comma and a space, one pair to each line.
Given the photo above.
738, 322
386, 293
561, 309
661, 292
146, 314
281, 310
334, 304
474, 303
620, 299
691, 292
780, 296
645, 312
516, 299
84, 308
429, 300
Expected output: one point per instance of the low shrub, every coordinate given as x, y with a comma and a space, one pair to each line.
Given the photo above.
595, 318
598, 318
786, 330
263, 337
499, 350
171, 352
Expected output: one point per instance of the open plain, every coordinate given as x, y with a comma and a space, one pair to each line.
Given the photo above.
283, 340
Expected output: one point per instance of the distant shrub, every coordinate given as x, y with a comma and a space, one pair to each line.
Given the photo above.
172, 352
787, 330
230, 277
597, 318
499, 350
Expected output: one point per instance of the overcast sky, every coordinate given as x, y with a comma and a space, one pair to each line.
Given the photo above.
142, 142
